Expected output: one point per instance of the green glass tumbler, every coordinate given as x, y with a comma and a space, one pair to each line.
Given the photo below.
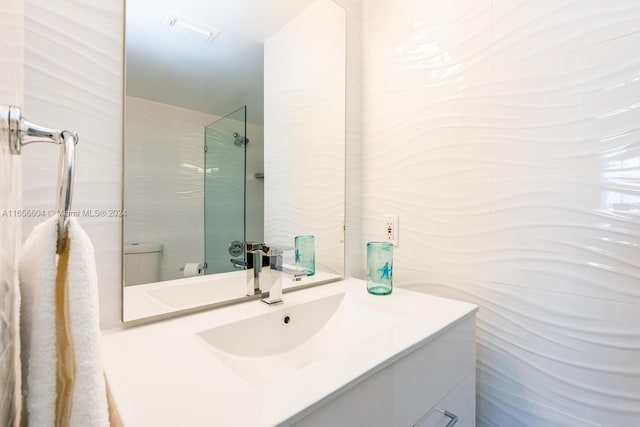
379, 268
305, 254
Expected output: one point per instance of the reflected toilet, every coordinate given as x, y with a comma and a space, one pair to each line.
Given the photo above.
142, 263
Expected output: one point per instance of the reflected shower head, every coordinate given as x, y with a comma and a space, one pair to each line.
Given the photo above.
240, 140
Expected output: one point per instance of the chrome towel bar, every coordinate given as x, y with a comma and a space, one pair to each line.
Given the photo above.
18, 132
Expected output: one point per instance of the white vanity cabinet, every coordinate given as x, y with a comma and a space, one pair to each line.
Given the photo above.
344, 358
439, 375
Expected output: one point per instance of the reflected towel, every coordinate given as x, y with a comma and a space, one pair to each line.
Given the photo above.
63, 380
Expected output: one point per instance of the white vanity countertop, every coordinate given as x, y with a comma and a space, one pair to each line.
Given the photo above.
162, 374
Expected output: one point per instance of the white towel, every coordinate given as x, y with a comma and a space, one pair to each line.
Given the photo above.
63, 380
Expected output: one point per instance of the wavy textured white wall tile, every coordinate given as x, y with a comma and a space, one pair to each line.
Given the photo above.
73, 80
11, 87
504, 134
304, 133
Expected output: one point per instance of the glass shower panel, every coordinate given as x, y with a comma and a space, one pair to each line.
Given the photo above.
224, 192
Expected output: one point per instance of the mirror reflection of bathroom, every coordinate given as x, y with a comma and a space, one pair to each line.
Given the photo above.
224, 165
233, 140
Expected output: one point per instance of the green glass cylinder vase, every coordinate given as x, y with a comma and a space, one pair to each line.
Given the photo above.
379, 268
305, 254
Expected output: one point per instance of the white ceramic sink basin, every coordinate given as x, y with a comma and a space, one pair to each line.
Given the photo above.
200, 292
271, 346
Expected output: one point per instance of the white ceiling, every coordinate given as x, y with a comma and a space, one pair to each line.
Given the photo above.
172, 67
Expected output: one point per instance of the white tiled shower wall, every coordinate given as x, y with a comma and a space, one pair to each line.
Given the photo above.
165, 199
505, 135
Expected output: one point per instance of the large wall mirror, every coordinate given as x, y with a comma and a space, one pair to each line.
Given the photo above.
234, 132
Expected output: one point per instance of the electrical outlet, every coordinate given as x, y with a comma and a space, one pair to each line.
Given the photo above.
391, 229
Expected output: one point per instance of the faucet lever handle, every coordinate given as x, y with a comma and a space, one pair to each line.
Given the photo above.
276, 257
282, 259
252, 247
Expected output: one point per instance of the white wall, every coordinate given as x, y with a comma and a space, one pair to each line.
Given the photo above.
505, 135
11, 92
304, 132
502, 134
73, 80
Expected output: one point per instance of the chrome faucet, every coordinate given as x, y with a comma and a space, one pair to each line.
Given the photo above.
267, 279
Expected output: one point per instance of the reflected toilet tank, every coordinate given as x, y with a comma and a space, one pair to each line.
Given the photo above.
142, 263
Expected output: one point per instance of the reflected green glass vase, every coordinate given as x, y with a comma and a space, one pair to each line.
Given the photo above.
379, 268
305, 254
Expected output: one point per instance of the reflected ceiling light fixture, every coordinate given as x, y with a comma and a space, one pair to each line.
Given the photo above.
200, 33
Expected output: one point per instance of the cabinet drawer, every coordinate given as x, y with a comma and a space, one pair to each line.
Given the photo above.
459, 402
424, 377
401, 394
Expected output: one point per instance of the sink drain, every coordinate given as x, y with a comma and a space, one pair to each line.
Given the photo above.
286, 319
